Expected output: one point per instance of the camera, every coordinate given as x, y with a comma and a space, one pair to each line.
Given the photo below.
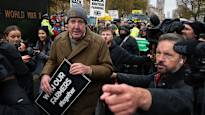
167, 26
32, 51
17, 45
195, 66
25, 49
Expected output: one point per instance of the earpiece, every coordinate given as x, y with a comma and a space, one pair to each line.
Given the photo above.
181, 61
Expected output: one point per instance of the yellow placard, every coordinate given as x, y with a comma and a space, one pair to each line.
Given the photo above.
136, 11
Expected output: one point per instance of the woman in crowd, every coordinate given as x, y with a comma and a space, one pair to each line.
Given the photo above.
14, 100
42, 48
12, 35
41, 51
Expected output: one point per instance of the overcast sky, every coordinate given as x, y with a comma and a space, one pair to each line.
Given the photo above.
169, 6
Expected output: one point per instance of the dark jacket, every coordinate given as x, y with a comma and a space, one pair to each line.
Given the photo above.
31, 64
132, 47
41, 57
170, 96
14, 100
121, 56
24, 77
130, 44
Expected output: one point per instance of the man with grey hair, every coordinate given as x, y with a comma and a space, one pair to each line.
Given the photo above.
162, 93
88, 54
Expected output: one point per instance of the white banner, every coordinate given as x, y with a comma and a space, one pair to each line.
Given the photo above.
113, 13
76, 2
97, 8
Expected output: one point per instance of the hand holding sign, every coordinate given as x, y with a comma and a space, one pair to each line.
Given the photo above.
45, 86
79, 68
75, 69
63, 88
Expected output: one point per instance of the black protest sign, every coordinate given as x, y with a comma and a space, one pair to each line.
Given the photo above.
65, 89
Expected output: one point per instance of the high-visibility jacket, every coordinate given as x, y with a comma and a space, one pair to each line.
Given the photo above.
45, 22
134, 32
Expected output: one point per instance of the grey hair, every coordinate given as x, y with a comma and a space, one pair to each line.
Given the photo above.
171, 37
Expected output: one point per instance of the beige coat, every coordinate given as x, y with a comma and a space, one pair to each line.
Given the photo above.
92, 51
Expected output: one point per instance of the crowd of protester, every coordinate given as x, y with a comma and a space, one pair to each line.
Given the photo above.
137, 60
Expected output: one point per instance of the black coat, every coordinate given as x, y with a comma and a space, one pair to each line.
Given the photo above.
130, 44
120, 56
14, 100
22, 73
31, 64
171, 96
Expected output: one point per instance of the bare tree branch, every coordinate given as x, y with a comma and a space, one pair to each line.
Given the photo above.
193, 5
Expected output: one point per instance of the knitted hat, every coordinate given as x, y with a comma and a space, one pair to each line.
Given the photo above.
124, 27
44, 28
77, 12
